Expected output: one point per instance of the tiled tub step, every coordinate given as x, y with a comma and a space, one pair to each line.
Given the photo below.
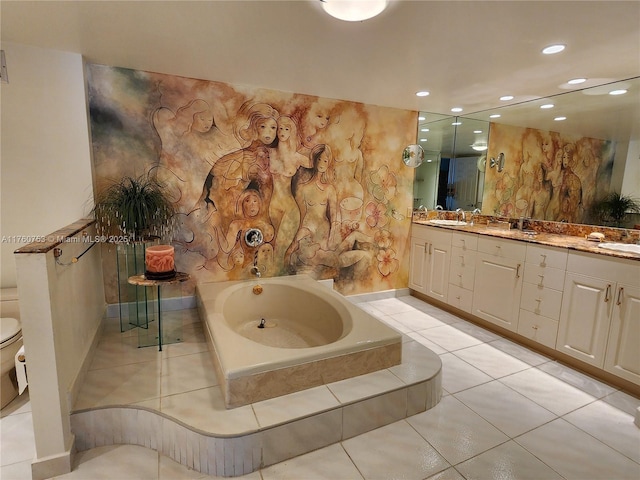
239, 441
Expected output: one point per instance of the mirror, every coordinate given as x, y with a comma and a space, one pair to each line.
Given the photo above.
413, 156
597, 133
453, 174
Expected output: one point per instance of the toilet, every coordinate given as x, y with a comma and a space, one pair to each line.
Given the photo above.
10, 343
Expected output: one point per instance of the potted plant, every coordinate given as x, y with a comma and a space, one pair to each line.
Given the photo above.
134, 209
613, 208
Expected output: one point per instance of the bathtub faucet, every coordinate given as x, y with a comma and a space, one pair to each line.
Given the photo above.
256, 271
254, 268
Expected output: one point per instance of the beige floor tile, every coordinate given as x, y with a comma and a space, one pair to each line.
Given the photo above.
187, 372
18, 444
113, 351
299, 404
491, 361
456, 431
584, 382
449, 474
609, 425
548, 391
504, 408
416, 320
450, 338
394, 451
364, 386
518, 351
124, 462
576, 455
391, 305
188, 407
437, 349
120, 385
458, 375
330, 463
508, 461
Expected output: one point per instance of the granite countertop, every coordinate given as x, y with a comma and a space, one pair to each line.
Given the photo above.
569, 241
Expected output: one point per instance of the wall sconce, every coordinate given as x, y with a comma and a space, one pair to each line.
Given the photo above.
497, 162
354, 10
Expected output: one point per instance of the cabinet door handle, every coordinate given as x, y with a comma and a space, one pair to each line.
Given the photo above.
619, 301
541, 281
429, 249
425, 247
543, 262
607, 292
518, 271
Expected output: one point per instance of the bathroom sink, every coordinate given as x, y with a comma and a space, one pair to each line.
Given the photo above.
621, 247
450, 223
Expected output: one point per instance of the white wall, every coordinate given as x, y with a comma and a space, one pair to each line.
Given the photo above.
45, 166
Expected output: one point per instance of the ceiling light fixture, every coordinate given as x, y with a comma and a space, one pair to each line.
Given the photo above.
422, 93
456, 109
354, 10
617, 92
551, 49
495, 115
506, 98
576, 81
547, 106
560, 119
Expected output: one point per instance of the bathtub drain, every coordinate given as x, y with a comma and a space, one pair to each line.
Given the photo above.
262, 323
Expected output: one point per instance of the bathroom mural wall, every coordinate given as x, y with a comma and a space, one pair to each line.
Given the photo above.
320, 178
546, 175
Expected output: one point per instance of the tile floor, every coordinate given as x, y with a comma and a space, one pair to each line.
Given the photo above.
506, 413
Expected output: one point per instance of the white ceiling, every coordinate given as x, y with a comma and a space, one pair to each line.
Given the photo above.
466, 53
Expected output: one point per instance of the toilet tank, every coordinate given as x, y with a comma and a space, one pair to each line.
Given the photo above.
9, 306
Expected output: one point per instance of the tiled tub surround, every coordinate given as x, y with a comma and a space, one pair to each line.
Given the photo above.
171, 401
312, 336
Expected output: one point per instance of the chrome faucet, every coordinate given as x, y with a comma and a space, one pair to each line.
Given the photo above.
460, 212
476, 211
256, 271
438, 210
254, 268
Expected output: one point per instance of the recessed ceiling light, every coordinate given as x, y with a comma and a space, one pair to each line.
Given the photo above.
429, 160
477, 131
576, 81
495, 115
424, 129
559, 119
354, 10
456, 123
551, 49
479, 148
504, 98
423, 93
547, 106
422, 119
456, 109
617, 92
423, 139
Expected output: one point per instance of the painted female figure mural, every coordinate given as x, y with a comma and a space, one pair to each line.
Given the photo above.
284, 161
234, 172
318, 245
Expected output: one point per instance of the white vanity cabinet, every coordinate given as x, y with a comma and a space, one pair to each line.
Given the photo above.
464, 247
541, 301
430, 254
498, 281
600, 317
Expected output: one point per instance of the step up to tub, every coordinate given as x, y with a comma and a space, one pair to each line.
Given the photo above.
238, 441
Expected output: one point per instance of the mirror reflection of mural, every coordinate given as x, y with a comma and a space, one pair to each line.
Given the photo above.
547, 176
298, 168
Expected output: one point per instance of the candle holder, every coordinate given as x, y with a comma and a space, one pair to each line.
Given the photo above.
159, 262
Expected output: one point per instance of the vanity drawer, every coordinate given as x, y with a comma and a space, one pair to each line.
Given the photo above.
547, 256
465, 241
460, 298
462, 270
545, 277
511, 249
538, 328
541, 301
